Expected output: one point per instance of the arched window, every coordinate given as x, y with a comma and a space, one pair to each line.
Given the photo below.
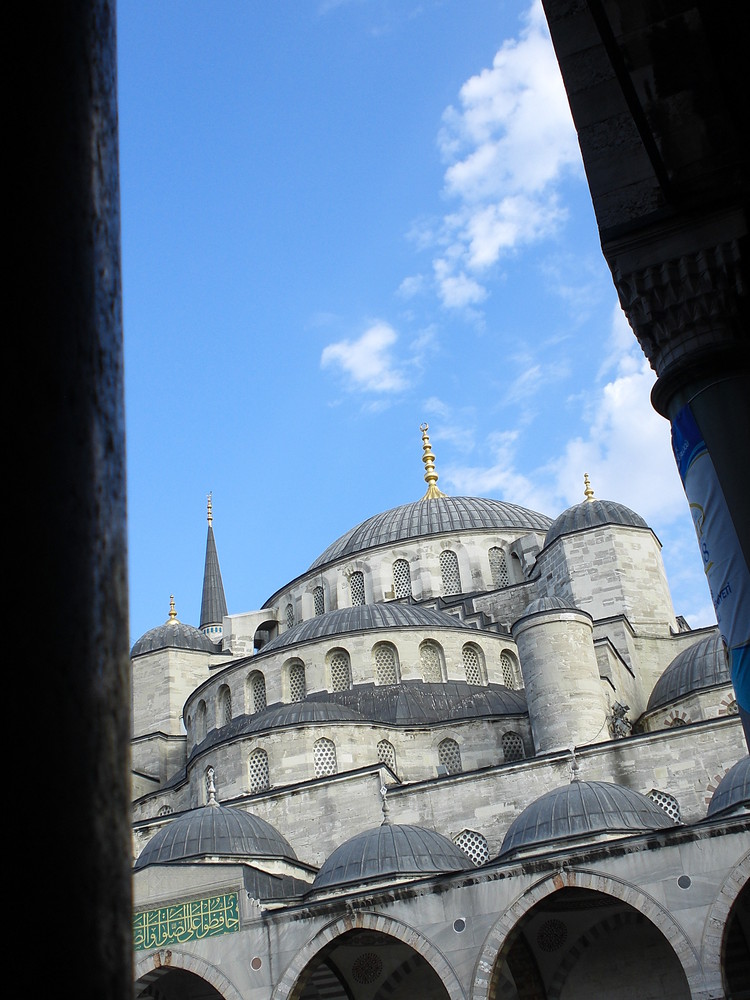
472, 660
357, 588
256, 683
341, 670
474, 846
319, 601
386, 754
401, 578
200, 722
386, 665
512, 746
297, 682
431, 661
324, 757
667, 802
498, 567
509, 674
449, 572
165, 811
258, 766
449, 756
225, 706
289, 615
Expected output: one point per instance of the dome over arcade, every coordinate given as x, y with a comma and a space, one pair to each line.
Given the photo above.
591, 513
173, 634
732, 791
582, 808
388, 851
362, 618
214, 831
701, 665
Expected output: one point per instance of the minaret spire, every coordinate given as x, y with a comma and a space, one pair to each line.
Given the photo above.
430, 476
213, 604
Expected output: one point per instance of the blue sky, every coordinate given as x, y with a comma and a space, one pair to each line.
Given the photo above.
342, 218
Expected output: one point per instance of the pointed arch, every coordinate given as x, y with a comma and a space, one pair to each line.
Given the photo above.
150, 967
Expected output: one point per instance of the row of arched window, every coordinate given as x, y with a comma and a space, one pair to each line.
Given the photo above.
449, 572
325, 762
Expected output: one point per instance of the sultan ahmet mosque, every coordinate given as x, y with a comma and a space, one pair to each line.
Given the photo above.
470, 753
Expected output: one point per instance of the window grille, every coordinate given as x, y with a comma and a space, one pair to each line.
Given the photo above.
357, 588
449, 572
257, 691
319, 601
324, 756
259, 776
667, 802
341, 672
225, 707
499, 567
297, 685
676, 722
474, 846
512, 747
449, 756
385, 664
289, 615
472, 666
386, 754
165, 811
509, 674
429, 657
401, 578
732, 708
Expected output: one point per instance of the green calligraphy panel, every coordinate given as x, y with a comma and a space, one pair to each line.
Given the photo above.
191, 921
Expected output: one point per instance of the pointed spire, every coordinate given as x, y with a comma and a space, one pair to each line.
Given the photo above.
588, 492
213, 603
211, 787
383, 794
430, 476
575, 767
173, 619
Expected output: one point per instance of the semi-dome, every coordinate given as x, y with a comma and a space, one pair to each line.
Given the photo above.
362, 618
582, 808
550, 603
173, 634
432, 516
301, 712
592, 514
701, 665
733, 790
214, 831
390, 851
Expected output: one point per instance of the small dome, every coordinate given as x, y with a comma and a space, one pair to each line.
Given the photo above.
300, 712
214, 830
361, 619
433, 516
592, 514
733, 790
551, 603
390, 850
583, 808
701, 665
172, 635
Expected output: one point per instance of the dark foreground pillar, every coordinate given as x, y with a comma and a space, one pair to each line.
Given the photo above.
71, 771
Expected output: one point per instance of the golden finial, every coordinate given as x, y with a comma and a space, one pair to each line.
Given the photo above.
430, 476
173, 620
210, 509
588, 492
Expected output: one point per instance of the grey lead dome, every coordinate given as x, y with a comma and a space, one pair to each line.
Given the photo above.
172, 635
433, 516
733, 790
591, 514
701, 665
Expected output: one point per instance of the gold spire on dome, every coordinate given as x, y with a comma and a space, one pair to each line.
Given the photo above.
588, 492
210, 509
430, 476
173, 619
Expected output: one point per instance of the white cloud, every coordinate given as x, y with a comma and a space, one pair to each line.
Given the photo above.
367, 362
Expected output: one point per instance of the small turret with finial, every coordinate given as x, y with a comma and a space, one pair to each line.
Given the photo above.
430, 476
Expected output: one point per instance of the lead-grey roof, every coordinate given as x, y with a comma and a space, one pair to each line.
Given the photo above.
172, 635
213, 601
592, 514
733, 790
214, 830
701, 665
361, 619
583, 808
434, 516
390, 850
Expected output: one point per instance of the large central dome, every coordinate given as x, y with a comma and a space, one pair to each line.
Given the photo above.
432, 516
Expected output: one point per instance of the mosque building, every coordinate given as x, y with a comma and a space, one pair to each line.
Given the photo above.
471, 752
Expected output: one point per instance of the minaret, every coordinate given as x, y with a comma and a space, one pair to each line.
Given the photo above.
213, 604
430, 476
